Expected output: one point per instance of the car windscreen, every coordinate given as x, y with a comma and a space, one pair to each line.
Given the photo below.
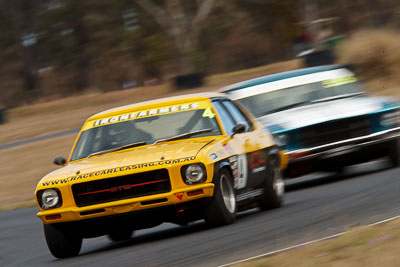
286, 98
145, 131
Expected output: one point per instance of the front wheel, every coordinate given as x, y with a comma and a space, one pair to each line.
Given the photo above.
62, 242
274, 187
222, 209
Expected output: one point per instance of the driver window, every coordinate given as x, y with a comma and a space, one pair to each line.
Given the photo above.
227, 120
237, 115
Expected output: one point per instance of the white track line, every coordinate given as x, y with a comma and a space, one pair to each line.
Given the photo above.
306, 243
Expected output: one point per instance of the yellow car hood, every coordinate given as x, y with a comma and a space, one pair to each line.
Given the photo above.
162, 152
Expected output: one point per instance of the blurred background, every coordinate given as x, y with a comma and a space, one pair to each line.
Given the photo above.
62, 61
55, 48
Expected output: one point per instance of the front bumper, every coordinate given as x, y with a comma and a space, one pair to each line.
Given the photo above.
335, 150
174, 197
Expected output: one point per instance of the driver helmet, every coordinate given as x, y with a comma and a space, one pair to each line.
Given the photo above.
119, 133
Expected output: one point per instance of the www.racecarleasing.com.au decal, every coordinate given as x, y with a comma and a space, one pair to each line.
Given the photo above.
116, 170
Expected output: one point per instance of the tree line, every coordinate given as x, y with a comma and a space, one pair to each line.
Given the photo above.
63, 47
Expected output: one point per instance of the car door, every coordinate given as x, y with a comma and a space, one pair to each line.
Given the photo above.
250, 155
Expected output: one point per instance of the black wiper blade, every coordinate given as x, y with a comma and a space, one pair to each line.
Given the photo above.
117, 148
179, 136
331, 98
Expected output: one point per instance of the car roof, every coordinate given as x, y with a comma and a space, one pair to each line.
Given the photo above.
156, 103
279, 76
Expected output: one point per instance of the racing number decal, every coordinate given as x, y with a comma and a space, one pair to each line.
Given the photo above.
242, 171
208, 113
257, 161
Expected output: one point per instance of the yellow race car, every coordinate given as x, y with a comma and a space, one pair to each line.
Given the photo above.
175, 160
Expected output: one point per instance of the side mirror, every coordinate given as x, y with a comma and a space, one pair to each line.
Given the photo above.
238, 128
59, 161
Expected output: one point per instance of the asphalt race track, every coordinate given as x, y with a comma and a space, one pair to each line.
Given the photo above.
39, 138
316, 206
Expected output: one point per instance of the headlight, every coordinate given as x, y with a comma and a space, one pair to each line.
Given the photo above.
389, 119
193, 173
281, 139
49, 198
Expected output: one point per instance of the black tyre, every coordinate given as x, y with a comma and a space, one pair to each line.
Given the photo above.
119, 236
62, 242
274, 187
394, 153
338, 169
222, 209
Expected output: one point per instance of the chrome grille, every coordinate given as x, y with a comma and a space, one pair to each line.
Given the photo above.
334, 131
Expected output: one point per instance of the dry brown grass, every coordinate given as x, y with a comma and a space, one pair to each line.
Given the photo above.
375, 53
242, 75
63, 114
22, 167
365, 246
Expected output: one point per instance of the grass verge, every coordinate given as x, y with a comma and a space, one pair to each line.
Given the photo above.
68, 113
23, 166
375, 245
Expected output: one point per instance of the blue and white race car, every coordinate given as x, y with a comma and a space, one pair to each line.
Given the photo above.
322, 118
